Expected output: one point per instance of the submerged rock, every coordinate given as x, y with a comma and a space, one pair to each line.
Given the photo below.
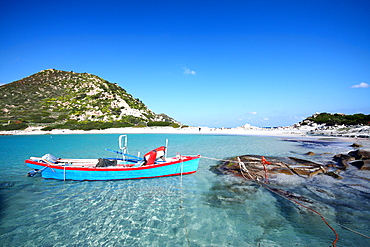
259, 168
363, 154
356, 145
361, 164
359, 158
4, 185
334, 175
310, 153
343, 160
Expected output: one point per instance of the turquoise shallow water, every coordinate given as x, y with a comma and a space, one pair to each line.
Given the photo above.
202, 209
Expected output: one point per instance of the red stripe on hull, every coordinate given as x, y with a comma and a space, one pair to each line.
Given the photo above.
175, 174
110, 169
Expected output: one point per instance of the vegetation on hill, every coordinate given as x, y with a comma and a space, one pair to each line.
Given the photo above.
339, 119
61, 99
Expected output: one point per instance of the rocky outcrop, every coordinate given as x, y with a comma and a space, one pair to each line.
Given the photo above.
356, 145
259, 168
310, 153
343, 160
360, 154
360, 159
361, 164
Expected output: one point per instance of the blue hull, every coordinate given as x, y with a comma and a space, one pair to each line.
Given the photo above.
49, 171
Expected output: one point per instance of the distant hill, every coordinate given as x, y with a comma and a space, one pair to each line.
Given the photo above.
331, 119
73, 100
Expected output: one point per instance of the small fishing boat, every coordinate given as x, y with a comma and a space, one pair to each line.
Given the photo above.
151, 165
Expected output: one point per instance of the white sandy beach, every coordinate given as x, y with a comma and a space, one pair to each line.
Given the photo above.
284, 132
164, 130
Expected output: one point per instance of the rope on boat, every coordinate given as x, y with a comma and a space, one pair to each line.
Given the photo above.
243, 168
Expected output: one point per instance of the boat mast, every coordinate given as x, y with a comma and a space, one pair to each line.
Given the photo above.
165, 153
123, 145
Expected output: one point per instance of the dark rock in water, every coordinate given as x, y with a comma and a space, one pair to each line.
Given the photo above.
366, 165
361, 164
303, 162
260, 168
360, 154
334, 175
310, 153
291, 195
357, 163
346, 157
354, 154
343, 160
359, 158
356, 145
4, 185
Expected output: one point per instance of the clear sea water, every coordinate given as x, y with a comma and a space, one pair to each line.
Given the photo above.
201, 209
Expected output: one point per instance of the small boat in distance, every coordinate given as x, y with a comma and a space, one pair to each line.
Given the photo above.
153, 164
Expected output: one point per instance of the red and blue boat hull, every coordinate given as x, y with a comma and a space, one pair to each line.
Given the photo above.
185, 165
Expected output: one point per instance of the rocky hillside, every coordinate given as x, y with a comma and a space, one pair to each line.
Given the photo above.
54, 96
330, 119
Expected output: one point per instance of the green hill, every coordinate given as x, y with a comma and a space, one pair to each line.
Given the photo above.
61, 99
330, 119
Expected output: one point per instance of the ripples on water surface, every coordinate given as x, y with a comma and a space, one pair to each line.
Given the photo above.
204, 209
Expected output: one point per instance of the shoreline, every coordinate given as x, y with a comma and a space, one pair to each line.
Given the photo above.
163, 130
283, 133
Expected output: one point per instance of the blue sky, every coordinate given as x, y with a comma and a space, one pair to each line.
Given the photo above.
204, 63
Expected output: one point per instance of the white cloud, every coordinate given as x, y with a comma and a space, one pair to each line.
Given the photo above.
188, 71
253, 112
361, 85
266, 119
